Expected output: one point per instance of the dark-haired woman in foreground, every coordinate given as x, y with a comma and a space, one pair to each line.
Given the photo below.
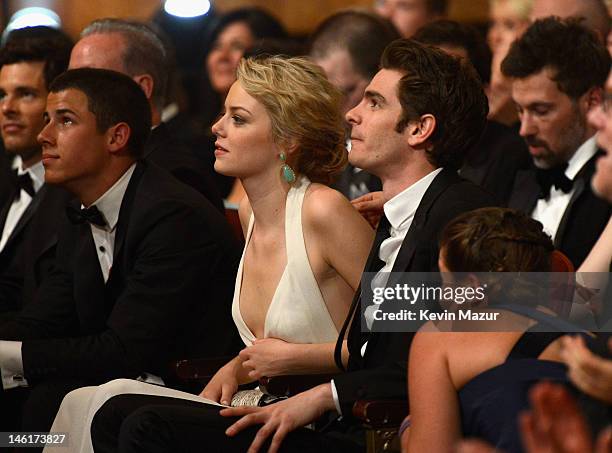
475, 383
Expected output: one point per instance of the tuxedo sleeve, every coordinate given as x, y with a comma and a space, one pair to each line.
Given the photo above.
171, 263
52, 313
385, 379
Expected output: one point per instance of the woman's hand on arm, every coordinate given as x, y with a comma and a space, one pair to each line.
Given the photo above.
591, 373
370, 206
273, 357
225, 382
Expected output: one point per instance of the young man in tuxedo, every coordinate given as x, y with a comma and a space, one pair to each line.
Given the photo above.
398, 135
32, 210
554, 94
145, 266
133, 49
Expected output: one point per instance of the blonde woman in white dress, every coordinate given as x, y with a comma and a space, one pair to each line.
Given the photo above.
282, 135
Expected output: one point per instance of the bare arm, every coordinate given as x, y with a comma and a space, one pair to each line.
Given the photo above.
225, 382
592, 277
600, 255
434, 406
273, 357
344, 238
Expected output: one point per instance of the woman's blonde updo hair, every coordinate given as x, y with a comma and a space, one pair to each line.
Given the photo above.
304, 109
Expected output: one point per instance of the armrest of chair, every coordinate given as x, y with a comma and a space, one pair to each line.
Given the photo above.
292, 384
381, 414
198, 370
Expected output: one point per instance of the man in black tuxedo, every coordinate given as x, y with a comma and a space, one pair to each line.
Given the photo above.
30, 215
144, 269
558, 69
133, 49
397, 135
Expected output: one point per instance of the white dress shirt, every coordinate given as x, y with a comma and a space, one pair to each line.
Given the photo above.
20, 204
550, 211
11, 362
400, 211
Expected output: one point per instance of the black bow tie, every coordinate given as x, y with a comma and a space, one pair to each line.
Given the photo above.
555, 176
89, 215
24, 182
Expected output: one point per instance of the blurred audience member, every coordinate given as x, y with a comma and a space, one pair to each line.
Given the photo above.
410, 15
554, 94
348, 46
593, 13
133, 49
509, 19
500, 153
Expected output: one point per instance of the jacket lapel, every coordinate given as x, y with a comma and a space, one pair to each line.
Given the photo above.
580, 186
408, 247
28, 213
125, 212
526, 191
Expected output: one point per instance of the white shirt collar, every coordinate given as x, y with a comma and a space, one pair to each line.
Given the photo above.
110, 202
37, 173
581, 157
402, 207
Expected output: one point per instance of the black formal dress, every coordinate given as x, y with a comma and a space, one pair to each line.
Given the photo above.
167, 297
155, 424
584, 218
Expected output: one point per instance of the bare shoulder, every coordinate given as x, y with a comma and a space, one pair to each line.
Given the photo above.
324, 206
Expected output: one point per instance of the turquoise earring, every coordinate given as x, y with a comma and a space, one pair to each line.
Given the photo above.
286, 170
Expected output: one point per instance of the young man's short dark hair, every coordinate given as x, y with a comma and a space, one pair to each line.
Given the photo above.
578, 58
454, 34
437, 83
113, 98
38, 44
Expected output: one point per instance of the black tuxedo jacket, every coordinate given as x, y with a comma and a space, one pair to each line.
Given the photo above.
168, 294
29, 254
495, 160
584, 219
6, 185
166, 151
382, 372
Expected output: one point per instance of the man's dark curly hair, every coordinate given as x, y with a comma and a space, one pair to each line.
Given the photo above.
575, 54
437, 83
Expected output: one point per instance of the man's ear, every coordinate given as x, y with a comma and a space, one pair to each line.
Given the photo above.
419, 131
146, 83
592, 98
118, 137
